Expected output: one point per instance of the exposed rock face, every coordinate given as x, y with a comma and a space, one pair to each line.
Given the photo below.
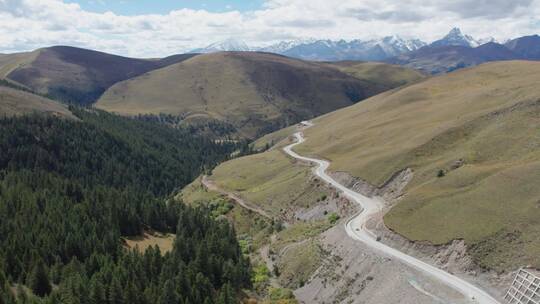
351, 273
389, 191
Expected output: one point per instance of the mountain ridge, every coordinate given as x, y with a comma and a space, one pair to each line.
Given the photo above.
73, 74
255, 92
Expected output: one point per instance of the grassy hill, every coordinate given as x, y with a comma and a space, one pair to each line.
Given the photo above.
73, 74
18, 102
388, 75
472, 138
255, 92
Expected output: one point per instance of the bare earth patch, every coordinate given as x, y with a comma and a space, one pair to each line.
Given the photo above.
151, 238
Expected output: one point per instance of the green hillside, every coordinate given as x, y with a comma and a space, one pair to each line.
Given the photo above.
71, 191
471, 137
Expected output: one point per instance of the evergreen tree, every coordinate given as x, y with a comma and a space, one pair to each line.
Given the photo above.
72, 189
39, 280
168, 294
115, 292
98, 293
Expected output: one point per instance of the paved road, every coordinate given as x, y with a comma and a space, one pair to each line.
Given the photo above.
356, 229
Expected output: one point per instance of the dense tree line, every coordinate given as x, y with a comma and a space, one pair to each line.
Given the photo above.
70, 189
213, 128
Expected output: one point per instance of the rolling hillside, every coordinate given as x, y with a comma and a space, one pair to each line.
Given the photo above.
471, 138
16, 102
73, 74
435, 59
255, 92
388, 75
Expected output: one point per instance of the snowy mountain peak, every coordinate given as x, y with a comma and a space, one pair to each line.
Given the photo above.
486, 40
230, 44
456, 37
283, 46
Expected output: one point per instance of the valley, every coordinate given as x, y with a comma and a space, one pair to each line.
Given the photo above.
256, 93
290, 173
426, 128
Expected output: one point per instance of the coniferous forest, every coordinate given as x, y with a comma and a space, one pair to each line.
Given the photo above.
70, 189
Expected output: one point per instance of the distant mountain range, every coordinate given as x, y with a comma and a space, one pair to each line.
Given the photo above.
326, 50
453, 51
334, 50
457, 51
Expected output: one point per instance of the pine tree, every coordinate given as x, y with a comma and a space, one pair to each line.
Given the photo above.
131, 294
168, 294
115, 292
97, 291
39, 280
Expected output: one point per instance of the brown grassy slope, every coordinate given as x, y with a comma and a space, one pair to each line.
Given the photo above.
270, 181
389, 75
16, 102
487, 118
10, 62
256, 92
74, 74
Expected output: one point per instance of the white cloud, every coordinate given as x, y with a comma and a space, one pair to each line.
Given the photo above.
30, 24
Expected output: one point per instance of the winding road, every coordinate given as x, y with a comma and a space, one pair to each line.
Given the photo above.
356, 229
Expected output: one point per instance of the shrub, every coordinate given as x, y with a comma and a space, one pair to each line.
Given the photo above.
441, 173
333, 218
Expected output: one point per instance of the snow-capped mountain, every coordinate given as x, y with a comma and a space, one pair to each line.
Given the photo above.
326, 50
376, 49
482, 41
230, 44
283, 46
456, 37
395, 45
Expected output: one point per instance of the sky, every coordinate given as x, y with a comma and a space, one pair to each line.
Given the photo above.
157, 28
141, 7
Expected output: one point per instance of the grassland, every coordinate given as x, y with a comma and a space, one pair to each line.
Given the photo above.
17, 102
391, 76
151, 239
480, 126
271, 139
10, 62
256, 92
275, 183
270, 181
73, 74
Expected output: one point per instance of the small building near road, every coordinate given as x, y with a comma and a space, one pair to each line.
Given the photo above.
525, 288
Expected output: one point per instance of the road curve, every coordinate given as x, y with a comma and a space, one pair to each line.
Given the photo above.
356, 229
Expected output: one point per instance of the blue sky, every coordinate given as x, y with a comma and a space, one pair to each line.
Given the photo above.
140, 7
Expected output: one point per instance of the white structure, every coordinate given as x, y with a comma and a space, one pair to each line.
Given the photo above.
525, 288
